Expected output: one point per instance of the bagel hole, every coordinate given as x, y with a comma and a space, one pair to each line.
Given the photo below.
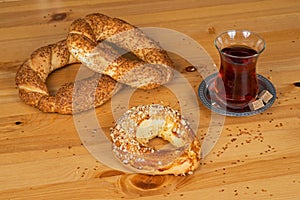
64, 75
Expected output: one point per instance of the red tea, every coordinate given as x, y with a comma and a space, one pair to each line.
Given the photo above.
238, 74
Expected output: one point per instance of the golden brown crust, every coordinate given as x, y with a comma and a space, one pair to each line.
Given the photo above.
88, 41
31, 81
149, 71
139, 125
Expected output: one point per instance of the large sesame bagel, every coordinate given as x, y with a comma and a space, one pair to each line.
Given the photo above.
31, 82
136, 127
91, 40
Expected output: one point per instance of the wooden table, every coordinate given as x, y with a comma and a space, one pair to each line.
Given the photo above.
256, 157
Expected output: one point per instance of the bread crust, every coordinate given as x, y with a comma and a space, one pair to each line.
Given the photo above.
137, 126
89, 41
31, 82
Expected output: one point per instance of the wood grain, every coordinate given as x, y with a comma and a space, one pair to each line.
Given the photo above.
257, 157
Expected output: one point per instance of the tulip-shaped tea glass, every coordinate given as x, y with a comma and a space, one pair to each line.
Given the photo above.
236, 84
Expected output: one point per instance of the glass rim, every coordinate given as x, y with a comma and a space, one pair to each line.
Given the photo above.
241, 30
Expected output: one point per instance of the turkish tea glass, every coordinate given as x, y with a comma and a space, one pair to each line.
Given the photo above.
236, 84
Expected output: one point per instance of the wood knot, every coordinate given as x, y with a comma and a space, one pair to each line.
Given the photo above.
58, 16
18, 123
146, 182
137, 185
297, 84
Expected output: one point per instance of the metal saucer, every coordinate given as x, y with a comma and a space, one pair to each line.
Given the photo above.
204, 95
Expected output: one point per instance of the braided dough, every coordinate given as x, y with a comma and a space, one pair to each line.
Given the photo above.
137, 126
90, 38
31, 81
